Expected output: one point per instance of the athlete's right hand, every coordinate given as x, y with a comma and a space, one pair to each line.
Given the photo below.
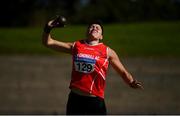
60, 21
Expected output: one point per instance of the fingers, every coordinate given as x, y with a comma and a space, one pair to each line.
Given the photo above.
139, 85
136, 85
60, 21
50, 23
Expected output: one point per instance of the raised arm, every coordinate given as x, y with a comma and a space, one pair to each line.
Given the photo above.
120, 69
49, 42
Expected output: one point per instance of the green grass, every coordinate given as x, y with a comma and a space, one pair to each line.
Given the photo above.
145, 39
136, 39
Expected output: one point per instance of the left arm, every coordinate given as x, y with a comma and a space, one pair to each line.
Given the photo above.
118, 66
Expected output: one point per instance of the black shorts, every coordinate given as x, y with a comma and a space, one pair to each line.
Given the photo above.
84, 105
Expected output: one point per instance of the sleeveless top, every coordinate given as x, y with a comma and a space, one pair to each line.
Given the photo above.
90, 64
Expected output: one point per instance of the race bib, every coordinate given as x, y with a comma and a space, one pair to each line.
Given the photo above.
84, 65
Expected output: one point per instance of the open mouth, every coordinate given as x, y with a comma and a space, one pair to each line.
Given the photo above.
94, 31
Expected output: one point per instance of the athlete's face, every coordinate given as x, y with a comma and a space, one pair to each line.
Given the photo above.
95, 31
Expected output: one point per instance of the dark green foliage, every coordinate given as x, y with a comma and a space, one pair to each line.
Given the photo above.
37, 12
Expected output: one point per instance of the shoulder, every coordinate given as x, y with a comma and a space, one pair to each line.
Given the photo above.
77, 43
111, 53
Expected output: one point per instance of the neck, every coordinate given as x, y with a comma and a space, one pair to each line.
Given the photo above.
92, 42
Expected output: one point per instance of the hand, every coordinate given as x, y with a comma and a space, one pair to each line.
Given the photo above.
60, 21
136, 85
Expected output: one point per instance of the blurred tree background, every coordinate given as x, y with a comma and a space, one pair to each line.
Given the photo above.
36, 12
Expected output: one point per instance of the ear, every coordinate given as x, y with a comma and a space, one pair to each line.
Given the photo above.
101, 37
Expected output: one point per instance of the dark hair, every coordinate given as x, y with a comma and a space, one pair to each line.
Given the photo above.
99, 22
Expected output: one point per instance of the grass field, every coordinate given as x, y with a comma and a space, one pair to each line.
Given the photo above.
137, 39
